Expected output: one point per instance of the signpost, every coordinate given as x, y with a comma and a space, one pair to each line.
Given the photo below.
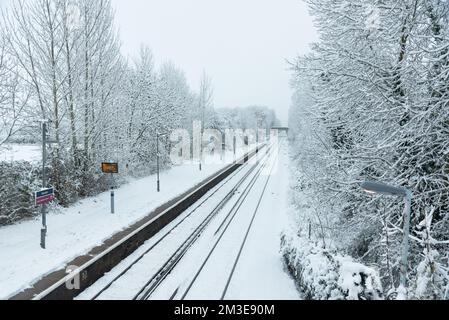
108, 167
111, 168
44, 197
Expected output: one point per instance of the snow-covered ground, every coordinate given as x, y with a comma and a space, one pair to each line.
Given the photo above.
259, 274
76, 230
134, 280
21, 152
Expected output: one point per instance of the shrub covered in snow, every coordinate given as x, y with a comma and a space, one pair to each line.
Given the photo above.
325, 275
18, 181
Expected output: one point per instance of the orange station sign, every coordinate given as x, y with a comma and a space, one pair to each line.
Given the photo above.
107, 167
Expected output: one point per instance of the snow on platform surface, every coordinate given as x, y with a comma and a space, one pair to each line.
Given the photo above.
260, 274
75, 231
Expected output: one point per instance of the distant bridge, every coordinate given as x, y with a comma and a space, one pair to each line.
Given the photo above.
281, 129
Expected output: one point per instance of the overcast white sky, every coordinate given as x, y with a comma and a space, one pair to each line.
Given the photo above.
242, 44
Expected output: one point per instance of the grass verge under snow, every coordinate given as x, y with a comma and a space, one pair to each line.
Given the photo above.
325, 275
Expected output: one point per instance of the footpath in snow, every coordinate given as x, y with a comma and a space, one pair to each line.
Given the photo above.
77, 230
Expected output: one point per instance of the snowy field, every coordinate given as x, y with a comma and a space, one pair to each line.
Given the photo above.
76, 230
259, 274
21, 152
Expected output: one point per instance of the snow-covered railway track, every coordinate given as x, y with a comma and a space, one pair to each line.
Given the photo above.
170, 264
140, 276
153, 284
102, 260
225, 232
178, 254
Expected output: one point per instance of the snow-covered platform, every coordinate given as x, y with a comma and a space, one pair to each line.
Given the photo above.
226, 246
79, 233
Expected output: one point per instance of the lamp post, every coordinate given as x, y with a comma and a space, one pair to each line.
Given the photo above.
201, 144
158, 156
384, 189
45, 141
44, 182
158, 135
234, 146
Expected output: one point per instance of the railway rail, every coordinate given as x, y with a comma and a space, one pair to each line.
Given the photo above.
90, 272
153, 284
186, 244
223, 232
239, 185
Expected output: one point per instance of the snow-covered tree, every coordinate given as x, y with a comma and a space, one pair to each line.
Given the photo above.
14, 96
60, 61
371, 103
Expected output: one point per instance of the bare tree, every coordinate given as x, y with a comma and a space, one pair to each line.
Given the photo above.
205, 98
14, 96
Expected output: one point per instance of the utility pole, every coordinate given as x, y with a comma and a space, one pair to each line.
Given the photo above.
158, 163
112, 194
205, 102
201, 138
234, 142
384, 189
257, 137
405, 240
44, 184
158, 158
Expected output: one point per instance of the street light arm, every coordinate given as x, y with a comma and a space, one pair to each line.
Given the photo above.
406, 239
381, 188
